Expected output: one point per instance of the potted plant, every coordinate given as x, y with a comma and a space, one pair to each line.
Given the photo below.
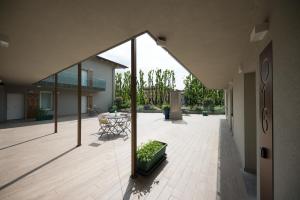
166, 110
43, 115
150, 155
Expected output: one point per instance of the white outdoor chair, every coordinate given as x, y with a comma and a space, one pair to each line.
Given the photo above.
124, 125
105, 126
127, 124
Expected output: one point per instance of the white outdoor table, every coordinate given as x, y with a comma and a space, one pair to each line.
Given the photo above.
117, 121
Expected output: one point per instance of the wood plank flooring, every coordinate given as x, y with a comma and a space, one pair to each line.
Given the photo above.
202, 162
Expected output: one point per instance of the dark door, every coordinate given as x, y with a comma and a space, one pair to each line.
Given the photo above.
266, 122
32, 105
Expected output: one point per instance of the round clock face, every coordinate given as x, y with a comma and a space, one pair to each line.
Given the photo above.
264, 73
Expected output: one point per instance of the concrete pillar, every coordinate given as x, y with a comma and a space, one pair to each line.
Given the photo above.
175, 104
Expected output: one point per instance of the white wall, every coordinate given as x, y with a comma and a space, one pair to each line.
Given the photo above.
238, 114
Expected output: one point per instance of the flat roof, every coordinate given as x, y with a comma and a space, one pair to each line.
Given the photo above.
115, 64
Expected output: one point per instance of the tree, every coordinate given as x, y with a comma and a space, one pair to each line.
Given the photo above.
151, 86
195, 93
126, 85
118, 85
141, 88
158, 89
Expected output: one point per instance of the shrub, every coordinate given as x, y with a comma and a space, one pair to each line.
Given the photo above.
219, 110
146, 152
125, 104
199, 109
43, 115
147, 107
140, 108
113, 109
118, 102
208, 103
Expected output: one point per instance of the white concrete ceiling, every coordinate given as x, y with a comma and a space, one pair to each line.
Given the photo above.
209, 37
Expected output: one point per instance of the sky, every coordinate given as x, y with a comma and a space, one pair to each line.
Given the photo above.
149, 56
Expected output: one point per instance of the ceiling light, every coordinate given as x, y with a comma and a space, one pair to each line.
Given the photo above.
259, 32
4, 42
240, 70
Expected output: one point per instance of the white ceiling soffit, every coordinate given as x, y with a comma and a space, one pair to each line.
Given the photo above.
208, 37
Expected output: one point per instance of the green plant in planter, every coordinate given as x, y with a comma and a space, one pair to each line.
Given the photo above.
166, 109
149, 154
147, 151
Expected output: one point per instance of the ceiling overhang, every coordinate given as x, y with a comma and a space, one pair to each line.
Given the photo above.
207, 37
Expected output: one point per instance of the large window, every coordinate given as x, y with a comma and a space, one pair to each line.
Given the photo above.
84, 77
46, 100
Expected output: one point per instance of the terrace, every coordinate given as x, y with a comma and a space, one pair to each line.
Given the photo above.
202, 162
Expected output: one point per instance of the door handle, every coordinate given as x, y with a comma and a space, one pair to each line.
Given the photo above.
263, 152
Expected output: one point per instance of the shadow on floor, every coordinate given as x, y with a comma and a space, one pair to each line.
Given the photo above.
35, 169
32, 122
250, 182
230, 181
36, 138
179, 122
110, 137
142, 185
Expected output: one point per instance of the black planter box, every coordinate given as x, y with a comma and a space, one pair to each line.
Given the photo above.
145, 168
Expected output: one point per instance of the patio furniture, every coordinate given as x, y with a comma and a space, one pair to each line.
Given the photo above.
114, 123
105, 126
125, 124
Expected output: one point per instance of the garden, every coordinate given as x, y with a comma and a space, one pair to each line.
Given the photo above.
153, 93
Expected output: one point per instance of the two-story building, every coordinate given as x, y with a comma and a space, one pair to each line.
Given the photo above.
97, 79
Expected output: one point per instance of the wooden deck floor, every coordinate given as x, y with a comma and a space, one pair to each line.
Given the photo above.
202, 161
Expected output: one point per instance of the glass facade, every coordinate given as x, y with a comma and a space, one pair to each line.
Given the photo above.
46, 100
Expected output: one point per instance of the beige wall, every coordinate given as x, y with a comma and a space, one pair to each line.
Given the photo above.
67, 98
286, 75
2, 104
229, 106
101, 99
244, 124
67, 103
284, 33
104, 99
250, 122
